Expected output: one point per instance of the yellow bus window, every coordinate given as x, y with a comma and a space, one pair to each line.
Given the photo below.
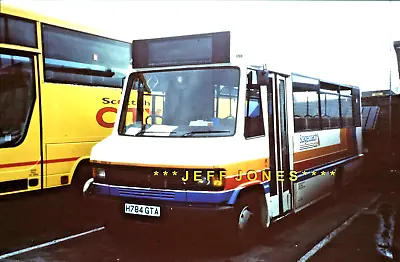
17, 95
16, 31
73, 57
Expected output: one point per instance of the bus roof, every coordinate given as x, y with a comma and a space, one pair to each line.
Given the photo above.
34, 16
326, 82
229, 47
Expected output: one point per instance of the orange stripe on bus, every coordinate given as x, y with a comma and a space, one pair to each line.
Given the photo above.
303, 160
300, 156
51, 161
248, 177
324, 155
320, 160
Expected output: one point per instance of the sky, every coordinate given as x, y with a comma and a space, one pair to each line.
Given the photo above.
344, 42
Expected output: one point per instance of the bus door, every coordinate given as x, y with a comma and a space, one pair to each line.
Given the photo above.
280, 184
20, 140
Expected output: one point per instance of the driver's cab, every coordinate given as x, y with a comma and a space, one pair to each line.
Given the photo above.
193, 101
184, 101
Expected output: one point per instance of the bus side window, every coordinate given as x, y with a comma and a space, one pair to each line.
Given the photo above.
305, 104
306, 111
17, 31
78, 58
254, 123
356, 107
17, 96
346, 107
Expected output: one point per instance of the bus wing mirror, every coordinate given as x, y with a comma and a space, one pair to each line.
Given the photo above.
262, 77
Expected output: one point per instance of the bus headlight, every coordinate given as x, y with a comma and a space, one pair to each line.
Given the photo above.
98, 173
211, 179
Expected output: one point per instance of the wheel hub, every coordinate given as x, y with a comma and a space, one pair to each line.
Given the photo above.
244, 218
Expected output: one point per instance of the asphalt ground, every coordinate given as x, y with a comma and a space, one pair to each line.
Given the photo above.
358, 242
29, 220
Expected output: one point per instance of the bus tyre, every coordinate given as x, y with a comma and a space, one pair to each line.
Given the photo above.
81, 175
247, 219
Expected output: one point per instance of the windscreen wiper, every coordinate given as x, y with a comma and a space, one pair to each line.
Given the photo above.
205, 132
141, 132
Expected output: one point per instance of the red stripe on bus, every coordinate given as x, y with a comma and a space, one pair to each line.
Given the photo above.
51, 161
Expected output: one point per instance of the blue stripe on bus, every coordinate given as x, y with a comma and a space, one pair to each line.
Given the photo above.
301, 177
234, 196
175, 196
205, 197
327, 168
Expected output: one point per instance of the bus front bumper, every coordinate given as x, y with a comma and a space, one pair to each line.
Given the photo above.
171, 213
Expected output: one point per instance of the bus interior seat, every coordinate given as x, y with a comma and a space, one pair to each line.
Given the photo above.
335, 122
299, 123
326, 122
308, 122
314, 122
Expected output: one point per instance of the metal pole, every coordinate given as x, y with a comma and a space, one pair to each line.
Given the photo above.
390, 96
390, 122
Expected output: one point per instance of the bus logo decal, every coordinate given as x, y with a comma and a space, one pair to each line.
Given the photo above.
100, 115
309, 141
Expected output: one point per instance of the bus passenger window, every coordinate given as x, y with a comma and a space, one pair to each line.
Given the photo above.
254, 123
346, 107
330, 109
16, 31
356, 107
305, 104
77, 58
306, 112
17, 95
330, 105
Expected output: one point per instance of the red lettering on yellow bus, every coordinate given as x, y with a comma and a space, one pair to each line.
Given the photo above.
100, 119
100, 115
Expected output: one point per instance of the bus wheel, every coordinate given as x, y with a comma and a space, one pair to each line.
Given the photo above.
247, 220
81, 175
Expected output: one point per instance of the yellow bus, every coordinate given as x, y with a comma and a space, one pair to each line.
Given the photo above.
59, 89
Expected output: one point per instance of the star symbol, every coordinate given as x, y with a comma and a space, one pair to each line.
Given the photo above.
323, 173
174, 173
332, 173
165, 173
304, 173
314, 173
155, 173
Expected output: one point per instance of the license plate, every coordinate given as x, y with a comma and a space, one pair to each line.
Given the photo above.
143, 210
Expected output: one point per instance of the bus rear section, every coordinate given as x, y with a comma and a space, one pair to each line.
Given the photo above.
238, 142
328, 150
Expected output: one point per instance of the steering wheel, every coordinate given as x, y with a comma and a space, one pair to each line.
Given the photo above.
229, 117
152, 115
